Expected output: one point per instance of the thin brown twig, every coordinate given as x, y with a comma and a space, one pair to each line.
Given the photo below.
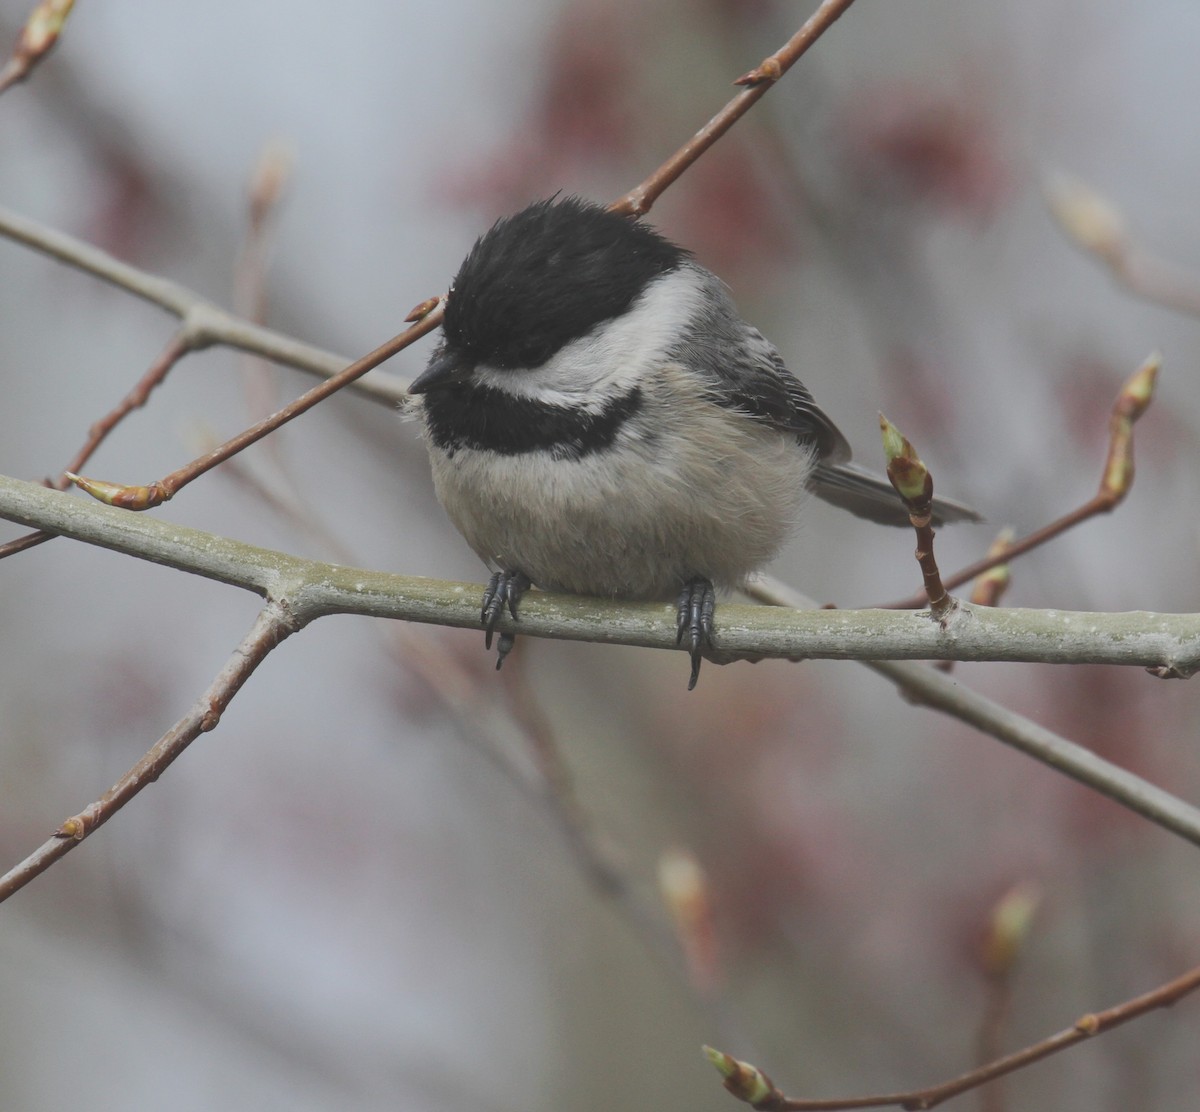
639, 200
1098, 227
989, 1038
750, 1084
636, 202
162, 490
175, 350
177, 347
1116, 481
914, 483
264, 193
1094, 506
1007, 931
273, 624
266, 190
21, 544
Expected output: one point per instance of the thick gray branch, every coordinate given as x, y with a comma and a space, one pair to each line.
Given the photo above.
1162, 641
939, 691
306, 589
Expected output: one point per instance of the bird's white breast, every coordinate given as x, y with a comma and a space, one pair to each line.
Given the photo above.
690, 488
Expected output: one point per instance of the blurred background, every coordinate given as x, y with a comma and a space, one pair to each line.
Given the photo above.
359, 892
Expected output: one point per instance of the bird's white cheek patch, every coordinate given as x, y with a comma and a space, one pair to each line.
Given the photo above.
616, 355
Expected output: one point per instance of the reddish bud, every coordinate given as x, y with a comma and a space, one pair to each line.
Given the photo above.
124, 497
907, 473
420, 312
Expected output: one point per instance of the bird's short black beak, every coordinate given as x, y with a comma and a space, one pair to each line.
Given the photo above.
446, 369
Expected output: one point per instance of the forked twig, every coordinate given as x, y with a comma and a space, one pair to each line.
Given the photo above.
1115, 482
174, 351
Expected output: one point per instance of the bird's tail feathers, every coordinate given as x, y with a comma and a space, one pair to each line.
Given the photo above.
864, 494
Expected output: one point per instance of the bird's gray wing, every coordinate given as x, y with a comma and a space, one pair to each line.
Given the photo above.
743, 370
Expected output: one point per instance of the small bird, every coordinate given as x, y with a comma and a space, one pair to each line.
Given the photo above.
601, 421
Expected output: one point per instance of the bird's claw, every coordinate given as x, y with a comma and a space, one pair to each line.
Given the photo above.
697, 603
504, 645
503, 592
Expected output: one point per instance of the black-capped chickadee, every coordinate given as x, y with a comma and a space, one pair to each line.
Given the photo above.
601, 421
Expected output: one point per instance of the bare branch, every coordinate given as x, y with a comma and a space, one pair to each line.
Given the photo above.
204, 323
1116, 480
164, 489
1161, 641
750, 1084
272, 625
938, 691
639, 200
310, 588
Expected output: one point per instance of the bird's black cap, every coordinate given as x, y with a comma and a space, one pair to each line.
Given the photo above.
548, 275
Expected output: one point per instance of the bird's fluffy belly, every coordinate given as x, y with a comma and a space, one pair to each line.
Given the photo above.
631, 523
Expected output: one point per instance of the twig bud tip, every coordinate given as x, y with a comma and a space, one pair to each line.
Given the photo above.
1089, 219
1011, 921
744, 1081
44, 25
120, 495
685, 891
270, 175
420, 312
99, 489
726, 1064
37, 37
1140, 387
908, 474
894, 444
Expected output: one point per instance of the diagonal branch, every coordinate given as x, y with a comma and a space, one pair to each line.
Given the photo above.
750, 1084
639, 200
273, 624
937, 690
